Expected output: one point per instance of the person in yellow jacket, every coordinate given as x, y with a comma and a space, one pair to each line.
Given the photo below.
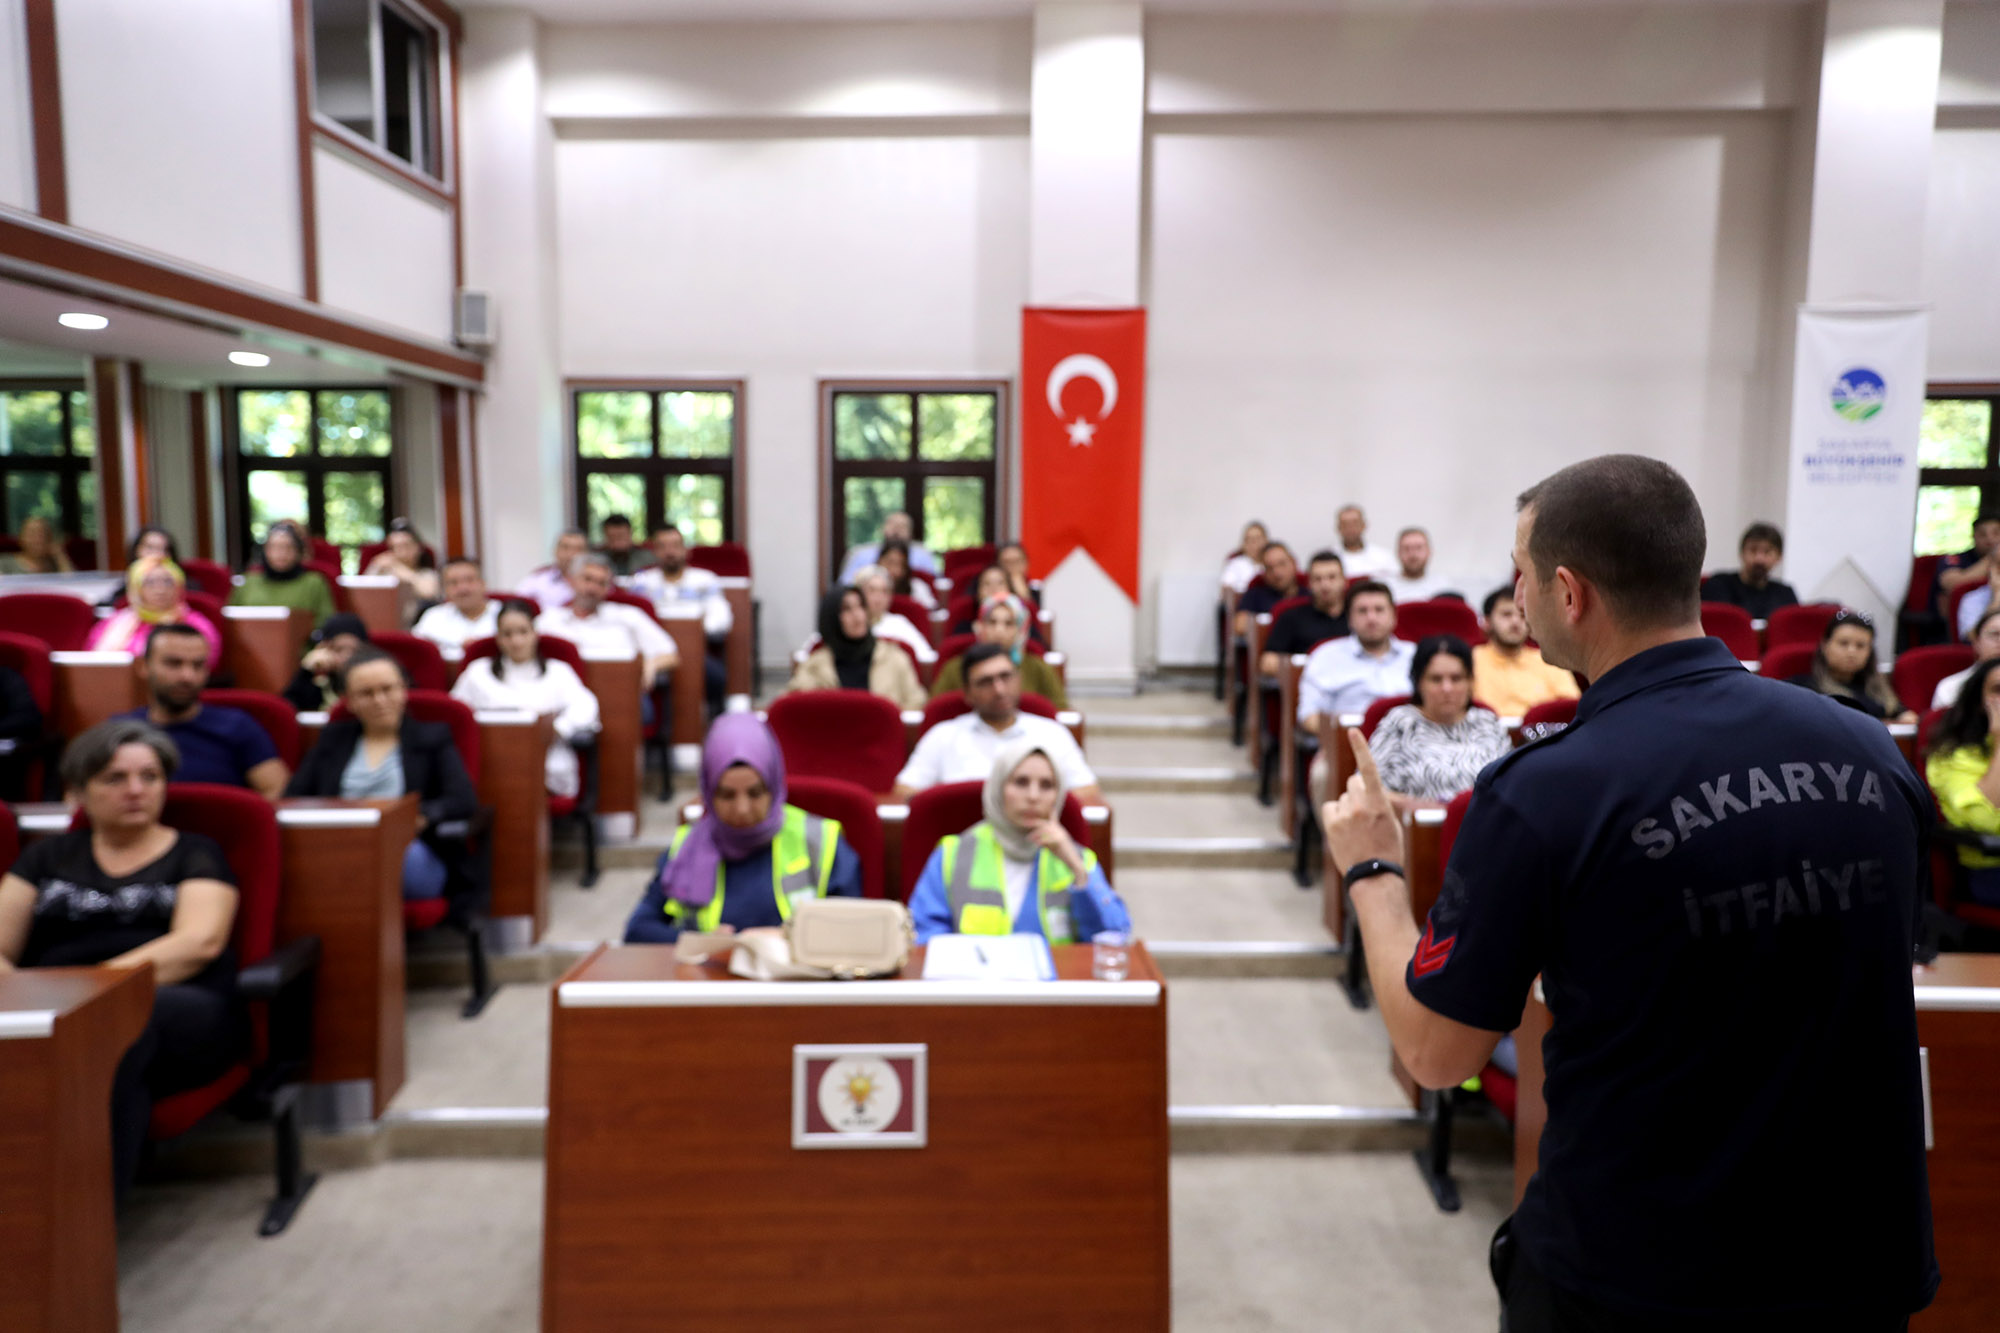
1018, 871
1963, 769
750, 858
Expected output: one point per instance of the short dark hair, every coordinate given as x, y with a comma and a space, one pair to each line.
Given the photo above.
1271, 546
514, 606
92, 752
1323, 555
132, 548
614, 521
980, 654
1763, 532
1494, 598
1983, 520
1366, 586
1629, 524
461, 560
174, 629
662, 529
1427, 650
363, 655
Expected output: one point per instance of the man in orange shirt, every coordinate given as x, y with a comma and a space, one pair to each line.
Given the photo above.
1508, 673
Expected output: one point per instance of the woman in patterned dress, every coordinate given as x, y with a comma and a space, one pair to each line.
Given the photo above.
1432, 748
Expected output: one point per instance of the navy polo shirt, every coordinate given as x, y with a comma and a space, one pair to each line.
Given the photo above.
1718, 878
218, 745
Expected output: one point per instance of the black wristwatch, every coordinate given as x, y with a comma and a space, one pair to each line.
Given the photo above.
1368, 869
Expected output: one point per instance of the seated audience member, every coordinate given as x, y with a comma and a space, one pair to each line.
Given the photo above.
467, 611
152, 540
518, 676
216, 744
1018, 871
592, 623
992, 582
895, 562
849, 657
1967, 566
1248, 562
1432, 748
1304, 628
1013, 560
625, 556
886, 624
1975, 603
156, 593
1362, 560
1985, 644
1413, 580
1844, 669
672, 581
1281, 580
548, 585
380, 753
1371, 663
21, 733
1508, 673
125, 890
315, 686
1000, 618
897, 526
750, 859
41, 550
282, 578
404, 559
1750, 585
1965, 776
963, 749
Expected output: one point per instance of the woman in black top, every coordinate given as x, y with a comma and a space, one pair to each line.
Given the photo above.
1844, 669
315, 685
380, 753
125, 890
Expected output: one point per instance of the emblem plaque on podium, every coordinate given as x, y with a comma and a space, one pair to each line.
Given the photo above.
859, 1096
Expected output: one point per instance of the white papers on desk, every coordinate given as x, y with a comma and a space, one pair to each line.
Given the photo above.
988, 958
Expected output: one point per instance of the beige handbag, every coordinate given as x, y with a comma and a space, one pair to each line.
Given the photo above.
827, 939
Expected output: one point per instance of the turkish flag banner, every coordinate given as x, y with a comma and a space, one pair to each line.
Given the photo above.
1083, 386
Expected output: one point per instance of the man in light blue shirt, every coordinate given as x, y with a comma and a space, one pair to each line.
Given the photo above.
896, 526
1346, 675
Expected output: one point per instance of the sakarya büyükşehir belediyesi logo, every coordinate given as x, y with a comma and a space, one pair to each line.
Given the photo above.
1859, 394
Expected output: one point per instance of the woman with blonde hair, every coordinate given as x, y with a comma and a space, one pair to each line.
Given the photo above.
156, 593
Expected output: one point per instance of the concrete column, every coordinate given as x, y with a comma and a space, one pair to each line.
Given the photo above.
1085, 160
510, 251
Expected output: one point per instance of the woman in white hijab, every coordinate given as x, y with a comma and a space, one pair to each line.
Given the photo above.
1018, 871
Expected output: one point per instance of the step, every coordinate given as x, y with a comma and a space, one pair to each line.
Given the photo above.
1153, 724
1224, 905
1216, 781
1221, 853
1244, 959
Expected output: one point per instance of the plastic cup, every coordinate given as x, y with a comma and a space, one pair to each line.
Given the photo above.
1110, 955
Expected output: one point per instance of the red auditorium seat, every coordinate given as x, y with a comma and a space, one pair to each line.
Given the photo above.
1917, 672
1553, 715
954, 807
30, 657
82, 552
326, 553
914, 611
1799, 624
1378, 710
10, 836
331, 573
854, 807
952, 703
561, 650
967, 561
270, 712
278, 983
1791, 660
1731, 624
498, 597
727, 560
580, 809
209, 577
1416, 621
421, 660
846, 734
58, 620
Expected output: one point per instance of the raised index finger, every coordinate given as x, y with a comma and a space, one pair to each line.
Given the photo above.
1364, 761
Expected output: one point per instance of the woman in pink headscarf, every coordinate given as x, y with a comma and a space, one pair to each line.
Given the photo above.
750, 858
156, 593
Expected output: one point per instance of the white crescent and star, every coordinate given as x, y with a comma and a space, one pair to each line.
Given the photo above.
1081, 365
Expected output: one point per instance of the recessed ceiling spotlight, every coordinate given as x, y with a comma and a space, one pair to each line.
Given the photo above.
77, 319
250, 358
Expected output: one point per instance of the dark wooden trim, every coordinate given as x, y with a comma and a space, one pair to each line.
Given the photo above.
472, 401
142, 445
456, 168
109, 418
95, 261
371, 157
302, 82
1965, 389
199, 473
449, 479
823, 437
45, 108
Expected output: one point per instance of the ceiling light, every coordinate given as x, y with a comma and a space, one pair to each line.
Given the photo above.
76, 319
250, 358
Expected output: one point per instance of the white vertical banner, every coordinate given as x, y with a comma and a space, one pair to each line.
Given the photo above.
1857, 409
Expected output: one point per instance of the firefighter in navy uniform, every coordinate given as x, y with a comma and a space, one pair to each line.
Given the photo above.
1718, 880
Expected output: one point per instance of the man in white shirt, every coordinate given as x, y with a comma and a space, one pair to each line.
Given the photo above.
896, 526
1413, 580
549, 585
963, 749
1357, 557
1346, 675
465, 614
671, 580
594, 624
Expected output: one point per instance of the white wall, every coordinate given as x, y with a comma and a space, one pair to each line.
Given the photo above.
180, 131
385, 249
17, 127
1962, 232
782, 261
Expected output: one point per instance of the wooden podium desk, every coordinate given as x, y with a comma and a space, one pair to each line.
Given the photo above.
738, 649
621, 739
513, 751
682, 622
263, 646
675, 1197
376, 598
63, 1031
93, 686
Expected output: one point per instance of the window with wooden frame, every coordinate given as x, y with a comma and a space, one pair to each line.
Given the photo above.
321, 456
378, 80
1958, 462
932, 450
48, 453
659, 452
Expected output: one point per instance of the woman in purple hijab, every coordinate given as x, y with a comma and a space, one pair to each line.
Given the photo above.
750, 858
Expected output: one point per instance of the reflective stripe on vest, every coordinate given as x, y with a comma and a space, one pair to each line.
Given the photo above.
975, 887
802, 858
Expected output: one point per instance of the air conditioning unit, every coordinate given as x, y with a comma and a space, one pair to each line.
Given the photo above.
474, 325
